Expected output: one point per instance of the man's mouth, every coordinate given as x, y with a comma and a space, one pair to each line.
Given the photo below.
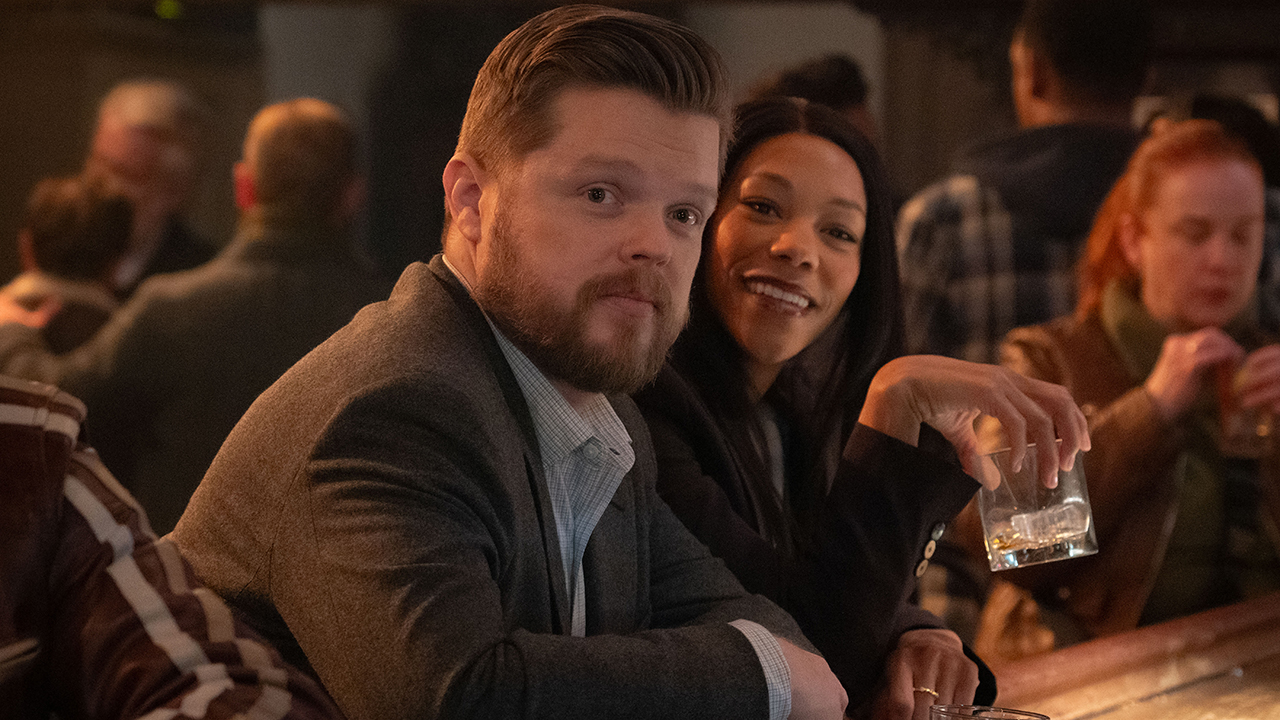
634, 292
800, 302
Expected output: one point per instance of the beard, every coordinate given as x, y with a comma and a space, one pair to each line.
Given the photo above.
555, 338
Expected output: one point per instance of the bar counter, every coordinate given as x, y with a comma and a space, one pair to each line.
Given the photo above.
1222, 664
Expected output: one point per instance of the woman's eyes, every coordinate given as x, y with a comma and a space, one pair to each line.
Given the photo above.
1193, 231
843, 235
762, 207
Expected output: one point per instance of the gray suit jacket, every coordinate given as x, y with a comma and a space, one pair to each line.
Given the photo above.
381, 513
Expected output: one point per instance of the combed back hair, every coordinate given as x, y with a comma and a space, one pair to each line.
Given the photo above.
834, 80
509, 112
1164, 151
819, 392
1099, 48
303, 155
78, 229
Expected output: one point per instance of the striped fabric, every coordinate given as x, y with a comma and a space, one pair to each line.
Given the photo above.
129, 632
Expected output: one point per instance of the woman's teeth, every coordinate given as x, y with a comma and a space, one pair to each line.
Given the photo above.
778, 294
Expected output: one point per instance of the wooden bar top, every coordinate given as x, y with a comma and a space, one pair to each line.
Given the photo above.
1217, 665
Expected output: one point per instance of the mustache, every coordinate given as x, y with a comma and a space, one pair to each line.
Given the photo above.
639, 283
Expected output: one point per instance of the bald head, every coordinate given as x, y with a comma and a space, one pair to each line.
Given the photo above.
301, 157
147, 140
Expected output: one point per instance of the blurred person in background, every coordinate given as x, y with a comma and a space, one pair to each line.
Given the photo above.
993, 246
168, 377
834, 80
148, 145
1247, 122
72, 238
1180, 385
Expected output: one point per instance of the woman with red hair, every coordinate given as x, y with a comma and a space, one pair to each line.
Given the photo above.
1164, 336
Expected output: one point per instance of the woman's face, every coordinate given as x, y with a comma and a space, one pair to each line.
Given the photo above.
787, 248
1197, 248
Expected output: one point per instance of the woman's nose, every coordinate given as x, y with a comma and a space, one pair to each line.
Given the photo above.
797, 244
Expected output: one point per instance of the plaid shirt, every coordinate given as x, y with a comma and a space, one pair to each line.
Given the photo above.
585, 455
966, 280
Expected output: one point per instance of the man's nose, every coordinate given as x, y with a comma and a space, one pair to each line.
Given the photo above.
650, 241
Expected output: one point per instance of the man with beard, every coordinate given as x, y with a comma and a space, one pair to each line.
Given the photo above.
448, 508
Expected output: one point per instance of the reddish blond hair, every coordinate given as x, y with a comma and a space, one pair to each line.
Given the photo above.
1168, 148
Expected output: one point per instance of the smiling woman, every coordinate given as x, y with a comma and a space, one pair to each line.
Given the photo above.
787, 248
794, 310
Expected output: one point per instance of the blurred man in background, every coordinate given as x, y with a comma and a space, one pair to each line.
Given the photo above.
168, 377
994, 246
148, 145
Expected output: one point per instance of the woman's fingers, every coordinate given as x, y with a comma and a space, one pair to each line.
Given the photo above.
949, 394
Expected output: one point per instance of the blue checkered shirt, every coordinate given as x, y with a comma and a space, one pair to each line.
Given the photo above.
585, 454
966, 281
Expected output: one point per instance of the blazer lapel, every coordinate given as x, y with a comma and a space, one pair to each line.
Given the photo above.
562, 620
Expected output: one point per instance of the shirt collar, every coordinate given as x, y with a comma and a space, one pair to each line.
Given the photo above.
560, 427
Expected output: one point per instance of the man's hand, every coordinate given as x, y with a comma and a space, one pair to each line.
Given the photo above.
949, 394
815, 691
12, 312
930, 658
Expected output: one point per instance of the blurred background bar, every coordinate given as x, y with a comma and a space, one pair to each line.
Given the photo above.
937, 70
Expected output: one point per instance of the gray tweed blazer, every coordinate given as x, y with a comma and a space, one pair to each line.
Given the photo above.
381, 514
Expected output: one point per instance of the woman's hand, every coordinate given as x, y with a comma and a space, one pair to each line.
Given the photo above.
949, 394
1181, 370
1259, 379
926, 659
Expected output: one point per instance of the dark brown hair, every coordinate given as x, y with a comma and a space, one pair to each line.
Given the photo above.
78, 229
1099, 48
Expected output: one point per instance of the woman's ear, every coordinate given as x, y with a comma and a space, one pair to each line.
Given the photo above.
1130, 236
464, 182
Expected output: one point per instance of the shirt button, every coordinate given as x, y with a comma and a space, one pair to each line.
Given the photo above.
938, 529
592, 451
930, 549
924, 565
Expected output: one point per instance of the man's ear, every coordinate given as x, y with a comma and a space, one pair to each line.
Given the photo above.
245, 189
464, 183
353, 197
1033, 75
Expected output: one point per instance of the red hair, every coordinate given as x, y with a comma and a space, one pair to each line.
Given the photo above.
1168, 148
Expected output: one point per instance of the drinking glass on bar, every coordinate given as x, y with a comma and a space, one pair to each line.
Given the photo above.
951, 712
1025, 523
1244, 431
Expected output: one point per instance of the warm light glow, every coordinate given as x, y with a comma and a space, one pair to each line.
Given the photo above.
168, 9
